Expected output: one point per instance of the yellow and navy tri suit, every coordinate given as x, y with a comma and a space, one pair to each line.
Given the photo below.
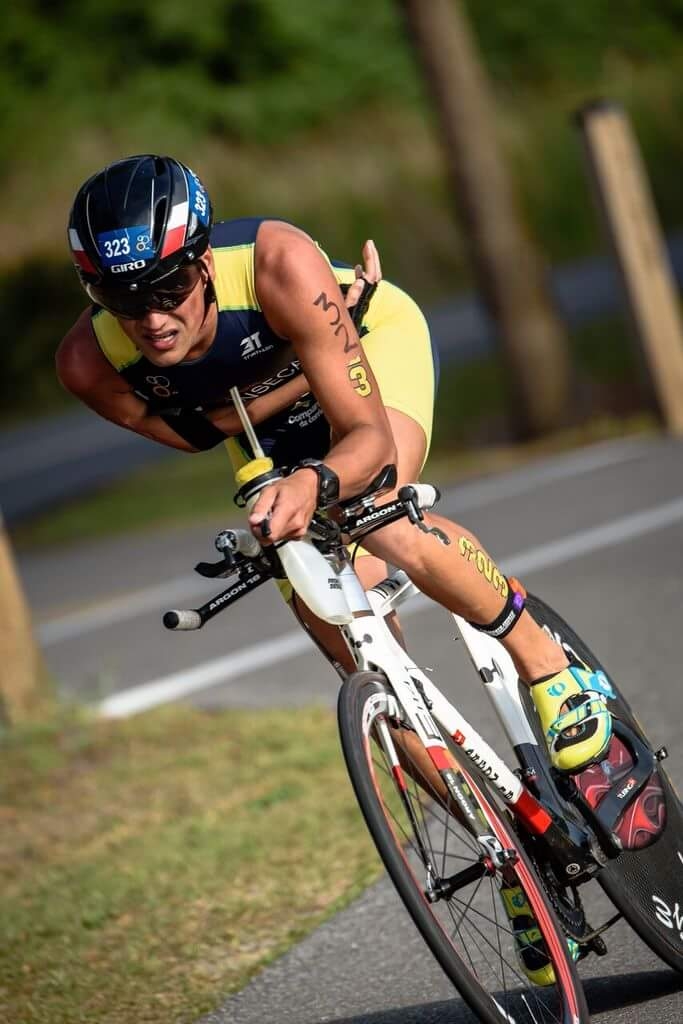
246, 353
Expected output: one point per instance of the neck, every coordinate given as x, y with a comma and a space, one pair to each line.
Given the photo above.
207, 333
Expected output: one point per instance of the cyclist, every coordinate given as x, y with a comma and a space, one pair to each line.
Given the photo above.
183, 309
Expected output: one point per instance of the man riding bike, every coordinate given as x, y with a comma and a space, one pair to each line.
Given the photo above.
184, 309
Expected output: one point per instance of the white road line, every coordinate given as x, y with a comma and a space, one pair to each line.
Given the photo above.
118, 609
467, 496
562, 467
288, 645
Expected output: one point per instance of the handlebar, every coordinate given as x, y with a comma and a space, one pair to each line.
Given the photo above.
248, 565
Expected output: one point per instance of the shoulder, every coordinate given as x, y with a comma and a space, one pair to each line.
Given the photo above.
291, 273
283, 250
237, 233
78, 359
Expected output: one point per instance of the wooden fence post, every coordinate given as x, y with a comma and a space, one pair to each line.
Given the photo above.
24, 689
624, 198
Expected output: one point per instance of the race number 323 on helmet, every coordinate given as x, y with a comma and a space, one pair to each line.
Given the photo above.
137, 232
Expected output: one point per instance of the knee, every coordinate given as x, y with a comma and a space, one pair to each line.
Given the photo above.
401, 544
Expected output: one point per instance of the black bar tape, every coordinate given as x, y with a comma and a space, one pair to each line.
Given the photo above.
360, 309
501, 626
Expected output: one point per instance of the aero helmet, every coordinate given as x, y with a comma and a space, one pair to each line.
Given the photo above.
137, 230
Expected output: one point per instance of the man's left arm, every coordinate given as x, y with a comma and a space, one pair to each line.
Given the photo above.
302, 301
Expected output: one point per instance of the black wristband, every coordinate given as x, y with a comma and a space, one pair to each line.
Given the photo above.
358, 311
328, 481
194, 428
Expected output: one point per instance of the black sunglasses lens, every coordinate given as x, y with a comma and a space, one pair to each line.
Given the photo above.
167, 294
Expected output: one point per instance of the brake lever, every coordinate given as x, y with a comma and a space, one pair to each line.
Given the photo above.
408, 498
217, 570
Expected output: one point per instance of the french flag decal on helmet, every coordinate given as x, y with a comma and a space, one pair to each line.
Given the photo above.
79, 253
175, 229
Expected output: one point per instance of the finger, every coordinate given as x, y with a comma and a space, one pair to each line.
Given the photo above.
373, 267
354, 293
263, 507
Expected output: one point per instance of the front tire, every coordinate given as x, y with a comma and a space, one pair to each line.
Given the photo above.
418, 839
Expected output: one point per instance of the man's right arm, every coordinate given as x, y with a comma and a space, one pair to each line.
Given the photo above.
84, 371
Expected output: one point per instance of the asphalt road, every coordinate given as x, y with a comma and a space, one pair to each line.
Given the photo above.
598, 533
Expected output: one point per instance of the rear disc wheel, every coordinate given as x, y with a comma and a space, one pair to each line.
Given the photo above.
643, 884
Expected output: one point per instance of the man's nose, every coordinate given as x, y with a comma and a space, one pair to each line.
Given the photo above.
153, 319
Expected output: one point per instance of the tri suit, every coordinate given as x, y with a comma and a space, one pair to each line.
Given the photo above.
246, 353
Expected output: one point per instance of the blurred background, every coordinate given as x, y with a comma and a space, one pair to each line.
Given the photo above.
319, 113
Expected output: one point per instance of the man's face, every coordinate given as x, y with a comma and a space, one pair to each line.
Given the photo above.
166, 338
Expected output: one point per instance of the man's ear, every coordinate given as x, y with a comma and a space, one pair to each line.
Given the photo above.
208, 262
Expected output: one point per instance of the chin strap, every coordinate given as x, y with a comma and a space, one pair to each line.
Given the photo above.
508, 618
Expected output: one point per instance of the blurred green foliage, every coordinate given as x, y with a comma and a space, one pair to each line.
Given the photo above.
253, 69
260, 69
312, 111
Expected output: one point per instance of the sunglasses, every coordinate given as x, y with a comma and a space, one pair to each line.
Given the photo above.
162, 296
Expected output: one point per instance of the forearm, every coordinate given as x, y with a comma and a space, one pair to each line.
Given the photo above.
155, 429
261, 408
358, 457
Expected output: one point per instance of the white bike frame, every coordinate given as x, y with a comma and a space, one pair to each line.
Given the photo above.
374, 648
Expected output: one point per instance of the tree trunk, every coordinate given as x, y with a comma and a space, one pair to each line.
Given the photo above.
24, 690
509, 271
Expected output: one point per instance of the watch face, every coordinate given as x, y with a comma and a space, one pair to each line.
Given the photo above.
329, 485
328, 482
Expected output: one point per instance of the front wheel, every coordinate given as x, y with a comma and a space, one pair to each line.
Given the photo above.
644, 884
450, 886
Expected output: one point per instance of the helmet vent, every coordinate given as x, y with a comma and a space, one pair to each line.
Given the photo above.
159, 219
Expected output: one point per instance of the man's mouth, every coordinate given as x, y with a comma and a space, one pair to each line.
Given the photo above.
161, 341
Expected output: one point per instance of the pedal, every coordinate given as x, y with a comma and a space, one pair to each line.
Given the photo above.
622, 796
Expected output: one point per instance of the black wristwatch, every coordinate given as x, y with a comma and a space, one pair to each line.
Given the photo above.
328, 481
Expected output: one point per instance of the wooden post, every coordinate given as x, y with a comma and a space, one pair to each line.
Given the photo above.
510, 271
24, 691
624, 198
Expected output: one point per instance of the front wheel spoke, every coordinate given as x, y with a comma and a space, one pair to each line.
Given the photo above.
513, 969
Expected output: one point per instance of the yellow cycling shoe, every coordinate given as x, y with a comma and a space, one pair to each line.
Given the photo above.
531, 949
572, 707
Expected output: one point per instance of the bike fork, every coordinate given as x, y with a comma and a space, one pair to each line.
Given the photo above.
493, 857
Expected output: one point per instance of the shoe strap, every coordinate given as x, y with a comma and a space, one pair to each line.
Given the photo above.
590, 708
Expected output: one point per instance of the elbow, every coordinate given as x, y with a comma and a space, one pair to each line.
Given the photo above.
387, 455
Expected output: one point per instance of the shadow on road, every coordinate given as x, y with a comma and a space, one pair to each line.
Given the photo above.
604, 996
616, 991
450, 1011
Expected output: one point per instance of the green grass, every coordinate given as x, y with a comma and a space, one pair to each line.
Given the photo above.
151, 866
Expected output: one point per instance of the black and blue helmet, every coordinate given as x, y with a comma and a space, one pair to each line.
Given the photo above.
137, 221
